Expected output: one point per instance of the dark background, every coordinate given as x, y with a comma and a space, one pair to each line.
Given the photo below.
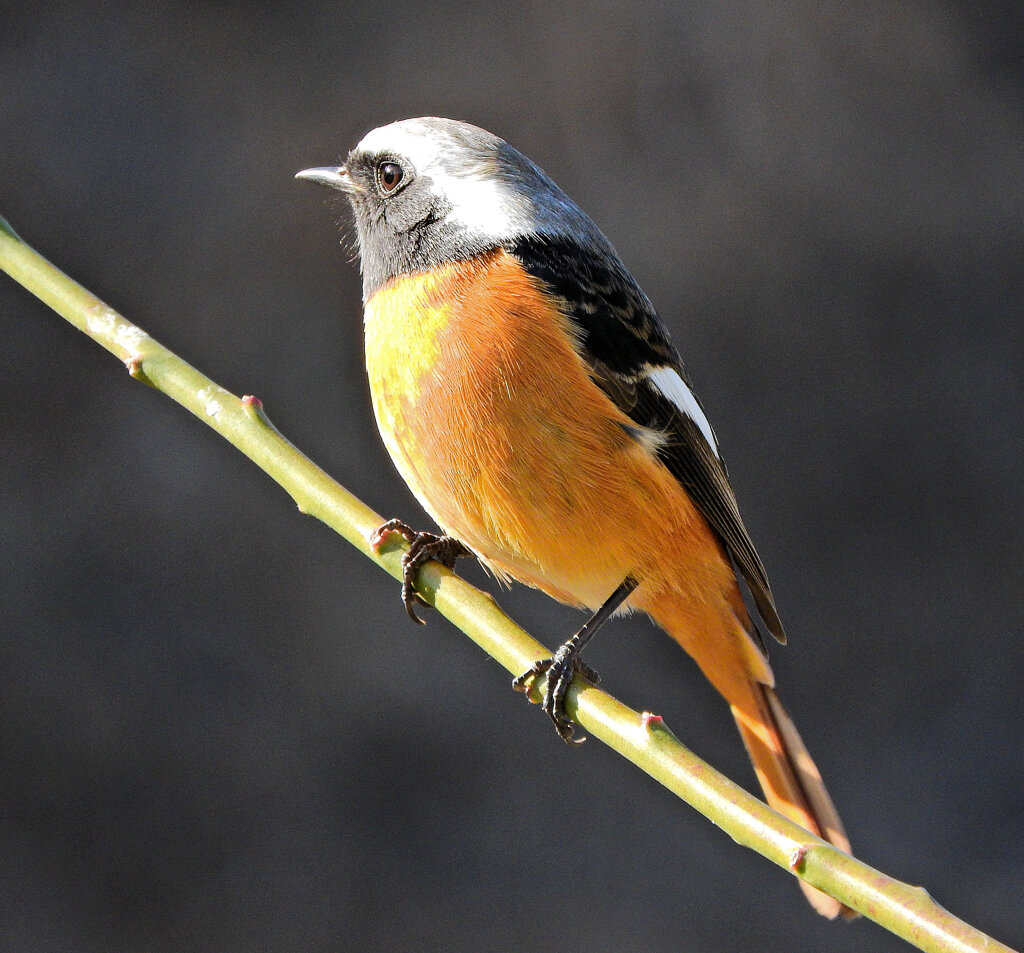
218, 731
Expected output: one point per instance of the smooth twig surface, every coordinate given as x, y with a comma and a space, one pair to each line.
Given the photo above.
905, 910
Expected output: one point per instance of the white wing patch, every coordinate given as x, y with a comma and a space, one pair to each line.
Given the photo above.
674, 388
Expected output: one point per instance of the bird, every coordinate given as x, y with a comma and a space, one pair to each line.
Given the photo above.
530, 396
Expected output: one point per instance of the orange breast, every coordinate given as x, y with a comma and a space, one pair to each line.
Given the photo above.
493, 421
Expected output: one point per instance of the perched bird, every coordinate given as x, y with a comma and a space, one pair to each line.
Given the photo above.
529, 394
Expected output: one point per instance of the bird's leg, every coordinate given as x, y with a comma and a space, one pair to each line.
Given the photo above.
566, 663
423, 547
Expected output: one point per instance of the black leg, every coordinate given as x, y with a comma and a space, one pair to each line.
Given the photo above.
423, 547
566, 663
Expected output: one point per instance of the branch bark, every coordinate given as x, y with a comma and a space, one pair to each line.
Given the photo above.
907, 911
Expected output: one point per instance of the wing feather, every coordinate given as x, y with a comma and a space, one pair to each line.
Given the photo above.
630, 357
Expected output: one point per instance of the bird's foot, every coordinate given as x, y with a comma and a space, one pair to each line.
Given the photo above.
560, 670
423, 547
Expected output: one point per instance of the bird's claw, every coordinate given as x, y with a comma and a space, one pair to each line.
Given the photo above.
560, 670
423, 547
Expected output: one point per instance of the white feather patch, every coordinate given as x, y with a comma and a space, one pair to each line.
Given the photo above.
481, 202
674, 388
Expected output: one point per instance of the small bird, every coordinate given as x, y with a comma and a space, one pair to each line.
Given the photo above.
529, 394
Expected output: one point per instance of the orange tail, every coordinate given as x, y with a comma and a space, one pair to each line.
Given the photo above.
791, 782
717, 638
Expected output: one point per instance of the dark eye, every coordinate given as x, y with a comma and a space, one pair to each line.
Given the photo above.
389, 176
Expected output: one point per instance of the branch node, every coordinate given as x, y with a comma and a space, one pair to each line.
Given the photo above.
253, 407
797, 858
134, 365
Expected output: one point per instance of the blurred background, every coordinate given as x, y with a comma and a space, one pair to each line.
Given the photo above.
219, 729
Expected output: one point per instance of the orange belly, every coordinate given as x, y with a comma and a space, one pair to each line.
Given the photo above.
493, 421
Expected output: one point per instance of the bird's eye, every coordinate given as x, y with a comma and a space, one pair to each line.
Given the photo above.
389, 176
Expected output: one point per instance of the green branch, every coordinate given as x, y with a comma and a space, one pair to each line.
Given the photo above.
905, 910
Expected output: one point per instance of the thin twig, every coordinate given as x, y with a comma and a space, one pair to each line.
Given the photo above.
907, 911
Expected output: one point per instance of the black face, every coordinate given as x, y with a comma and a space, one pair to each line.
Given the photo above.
404, 178
401, 222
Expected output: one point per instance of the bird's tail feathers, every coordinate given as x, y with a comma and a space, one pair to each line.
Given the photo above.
792, 783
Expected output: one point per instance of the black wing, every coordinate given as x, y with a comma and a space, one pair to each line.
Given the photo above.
622, 340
